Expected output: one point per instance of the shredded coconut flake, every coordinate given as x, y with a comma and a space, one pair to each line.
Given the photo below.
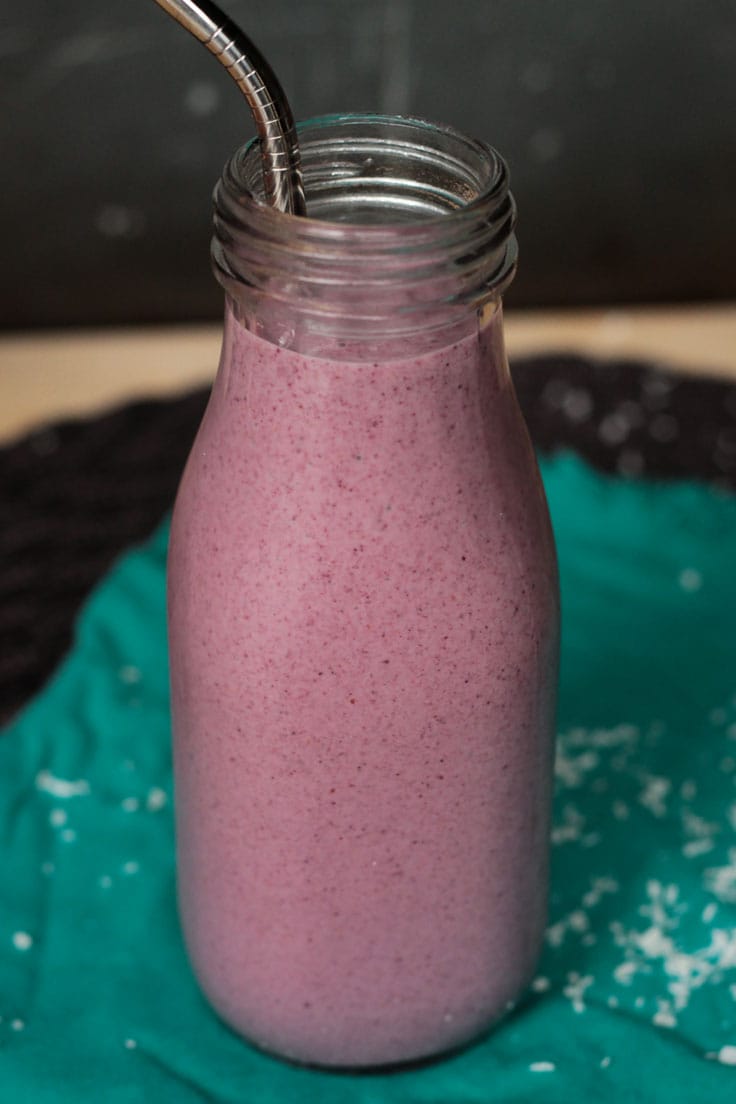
598, 888
654, 794
664, 1016
575, 990
572, 770
624, 973
709, 912
721, 880
61, 787
697, 827
690, 579
156, 799
22, 941
129, 674
693, 848
542, 1067
571, 828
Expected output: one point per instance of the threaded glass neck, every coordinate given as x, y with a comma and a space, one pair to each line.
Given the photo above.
410, 231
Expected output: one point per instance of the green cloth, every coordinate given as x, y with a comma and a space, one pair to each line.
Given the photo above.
636, 994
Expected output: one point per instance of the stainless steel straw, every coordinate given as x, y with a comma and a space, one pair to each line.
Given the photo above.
282, 177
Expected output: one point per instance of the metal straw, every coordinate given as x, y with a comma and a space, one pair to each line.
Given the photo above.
282, 177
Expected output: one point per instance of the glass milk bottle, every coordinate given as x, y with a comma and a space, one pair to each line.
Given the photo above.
363, 612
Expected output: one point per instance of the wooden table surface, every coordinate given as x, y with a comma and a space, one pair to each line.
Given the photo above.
71, 373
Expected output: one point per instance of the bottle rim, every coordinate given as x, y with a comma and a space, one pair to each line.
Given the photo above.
401, 211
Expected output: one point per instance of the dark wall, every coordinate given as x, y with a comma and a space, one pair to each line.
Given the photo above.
618, 118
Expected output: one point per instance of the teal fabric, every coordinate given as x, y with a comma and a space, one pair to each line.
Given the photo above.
635, 999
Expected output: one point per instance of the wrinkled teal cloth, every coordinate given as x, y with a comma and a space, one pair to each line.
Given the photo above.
635, 998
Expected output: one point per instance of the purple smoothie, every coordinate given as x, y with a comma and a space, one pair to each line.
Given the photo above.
363, 634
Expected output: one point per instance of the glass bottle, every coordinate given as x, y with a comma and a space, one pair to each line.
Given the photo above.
363, 611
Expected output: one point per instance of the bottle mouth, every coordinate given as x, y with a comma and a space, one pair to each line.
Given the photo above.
382, 170
402, 216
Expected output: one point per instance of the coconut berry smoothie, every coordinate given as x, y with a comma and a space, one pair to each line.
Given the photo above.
363, 633
363, 612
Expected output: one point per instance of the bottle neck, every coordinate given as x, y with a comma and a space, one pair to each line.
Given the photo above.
409, 237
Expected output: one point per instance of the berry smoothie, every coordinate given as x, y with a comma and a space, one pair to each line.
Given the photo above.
363, 635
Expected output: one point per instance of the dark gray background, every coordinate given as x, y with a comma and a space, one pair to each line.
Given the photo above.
618, 119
